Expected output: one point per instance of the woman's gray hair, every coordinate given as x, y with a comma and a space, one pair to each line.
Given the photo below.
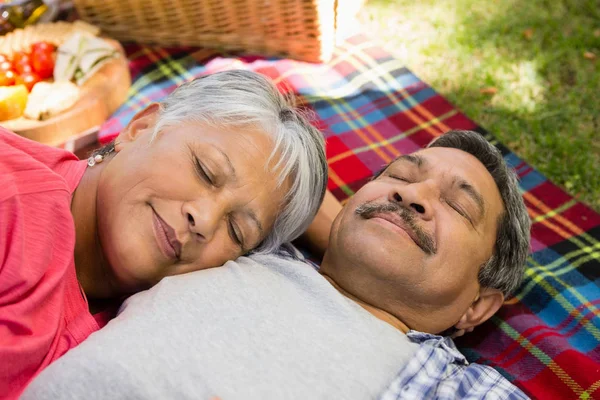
504, 270
245, 99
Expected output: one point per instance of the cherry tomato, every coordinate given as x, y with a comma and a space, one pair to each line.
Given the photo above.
43, 64
21, 57
29, 79
7, 78
44, 47
6, 66
22, 66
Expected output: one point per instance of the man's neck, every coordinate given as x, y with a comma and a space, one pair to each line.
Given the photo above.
90, 262
376, 312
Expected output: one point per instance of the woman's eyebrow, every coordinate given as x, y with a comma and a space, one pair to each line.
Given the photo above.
256, 221
252, 216
228, 163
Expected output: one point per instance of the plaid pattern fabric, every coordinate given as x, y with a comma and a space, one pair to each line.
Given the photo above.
439, 371
371, 109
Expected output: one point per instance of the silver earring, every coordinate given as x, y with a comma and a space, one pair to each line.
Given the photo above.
98, 155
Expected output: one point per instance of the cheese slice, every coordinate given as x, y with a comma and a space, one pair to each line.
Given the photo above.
49, 99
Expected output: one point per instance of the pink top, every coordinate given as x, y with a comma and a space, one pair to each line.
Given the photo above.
43, 311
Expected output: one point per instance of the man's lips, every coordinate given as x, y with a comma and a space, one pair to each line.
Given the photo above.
399, 219
399, 222
166, 237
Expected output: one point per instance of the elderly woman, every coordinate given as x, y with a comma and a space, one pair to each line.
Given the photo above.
223, 166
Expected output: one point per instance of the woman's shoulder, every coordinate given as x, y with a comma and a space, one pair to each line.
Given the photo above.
34, 207
27, 167
34, 200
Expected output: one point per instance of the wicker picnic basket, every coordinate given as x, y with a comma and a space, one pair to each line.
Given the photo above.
301, 29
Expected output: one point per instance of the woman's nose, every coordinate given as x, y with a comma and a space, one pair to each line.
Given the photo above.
416, 196
203, 218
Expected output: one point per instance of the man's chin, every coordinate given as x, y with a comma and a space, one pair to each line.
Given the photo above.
362, 252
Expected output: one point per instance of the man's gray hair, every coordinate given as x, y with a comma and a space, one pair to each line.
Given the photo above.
504, 270
245, 99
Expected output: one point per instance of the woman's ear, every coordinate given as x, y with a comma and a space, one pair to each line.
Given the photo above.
142, 122
486, 304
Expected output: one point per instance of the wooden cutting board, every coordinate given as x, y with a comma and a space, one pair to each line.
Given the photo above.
100, 96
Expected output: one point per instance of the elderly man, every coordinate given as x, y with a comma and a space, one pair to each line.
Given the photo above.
435, 242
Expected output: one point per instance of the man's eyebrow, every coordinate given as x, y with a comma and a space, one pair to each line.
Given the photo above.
416, 159
473, 193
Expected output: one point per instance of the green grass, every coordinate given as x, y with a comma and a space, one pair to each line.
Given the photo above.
547, 104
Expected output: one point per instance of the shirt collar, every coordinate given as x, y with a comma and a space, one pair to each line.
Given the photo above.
443, 342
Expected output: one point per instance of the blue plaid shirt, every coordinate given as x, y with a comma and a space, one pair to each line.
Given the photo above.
439, 371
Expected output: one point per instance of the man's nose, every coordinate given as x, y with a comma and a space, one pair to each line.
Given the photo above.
418, 196
204, 217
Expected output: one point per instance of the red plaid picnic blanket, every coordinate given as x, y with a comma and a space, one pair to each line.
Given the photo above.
371, 109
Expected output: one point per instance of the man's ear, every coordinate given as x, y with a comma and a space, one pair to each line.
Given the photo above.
483, 307
141, 122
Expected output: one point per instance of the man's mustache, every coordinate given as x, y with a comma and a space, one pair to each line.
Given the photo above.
372, 209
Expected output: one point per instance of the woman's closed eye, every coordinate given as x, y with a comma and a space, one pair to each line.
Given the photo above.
202, 171
236, 234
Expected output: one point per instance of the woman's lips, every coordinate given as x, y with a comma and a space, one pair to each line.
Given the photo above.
165, 237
